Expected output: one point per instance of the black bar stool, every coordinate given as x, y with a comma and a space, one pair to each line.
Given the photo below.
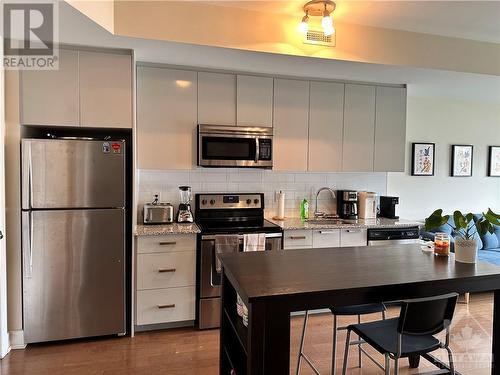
410, 334
357, 310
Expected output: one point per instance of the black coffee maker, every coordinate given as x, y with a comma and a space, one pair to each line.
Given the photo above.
347, 204
388, 207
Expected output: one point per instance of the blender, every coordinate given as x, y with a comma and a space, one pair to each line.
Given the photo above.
184, 215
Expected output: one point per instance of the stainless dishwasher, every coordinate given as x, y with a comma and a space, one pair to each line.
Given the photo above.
391, 236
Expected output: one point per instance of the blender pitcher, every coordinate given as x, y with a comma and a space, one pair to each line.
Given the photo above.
185, 215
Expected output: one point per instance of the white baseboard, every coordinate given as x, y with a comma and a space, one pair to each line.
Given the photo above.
16, 339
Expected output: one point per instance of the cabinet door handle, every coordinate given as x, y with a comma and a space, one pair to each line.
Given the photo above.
163, 270
327, 232
297, 237
353, 230
169, 306
166, 243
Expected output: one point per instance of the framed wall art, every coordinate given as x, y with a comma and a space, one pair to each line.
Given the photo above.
461, 160
422, 163
494, 161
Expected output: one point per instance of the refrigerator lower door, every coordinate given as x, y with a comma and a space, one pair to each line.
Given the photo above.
72, 174
73, 274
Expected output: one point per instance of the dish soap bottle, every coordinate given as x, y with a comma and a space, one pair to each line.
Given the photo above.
304, 210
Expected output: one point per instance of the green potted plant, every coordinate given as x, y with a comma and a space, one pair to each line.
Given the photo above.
465, 231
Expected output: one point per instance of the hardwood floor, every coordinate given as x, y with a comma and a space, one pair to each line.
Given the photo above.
188, 351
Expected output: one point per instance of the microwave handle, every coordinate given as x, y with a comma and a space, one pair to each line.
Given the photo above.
257, 150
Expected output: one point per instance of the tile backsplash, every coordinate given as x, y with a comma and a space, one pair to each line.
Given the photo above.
296, 186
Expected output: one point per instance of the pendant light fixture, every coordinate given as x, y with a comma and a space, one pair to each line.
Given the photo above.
321, 8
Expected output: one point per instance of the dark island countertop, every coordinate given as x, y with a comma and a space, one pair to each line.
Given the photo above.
258, 275
273, 284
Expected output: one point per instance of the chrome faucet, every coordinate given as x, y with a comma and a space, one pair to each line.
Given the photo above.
316, 212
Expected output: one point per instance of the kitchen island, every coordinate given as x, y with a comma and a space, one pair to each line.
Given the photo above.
274, 284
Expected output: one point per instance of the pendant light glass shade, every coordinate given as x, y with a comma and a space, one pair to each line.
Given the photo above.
304, 26
328, 30
327, 21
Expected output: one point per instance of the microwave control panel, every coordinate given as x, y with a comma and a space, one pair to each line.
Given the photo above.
265, 149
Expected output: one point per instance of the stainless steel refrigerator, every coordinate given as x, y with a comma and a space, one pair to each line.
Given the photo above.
73, 238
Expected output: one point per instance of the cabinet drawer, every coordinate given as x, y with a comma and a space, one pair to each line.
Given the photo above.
297, 239
325, 238
353, 237
166, 244
165, 305
165, 270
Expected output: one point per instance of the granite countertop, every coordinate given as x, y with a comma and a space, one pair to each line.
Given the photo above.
296, 223
163, 229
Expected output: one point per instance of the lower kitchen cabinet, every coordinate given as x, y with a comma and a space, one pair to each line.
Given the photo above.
325, 238
166, 244
165, 279
165, 305
297, 239
163, 270
353, 237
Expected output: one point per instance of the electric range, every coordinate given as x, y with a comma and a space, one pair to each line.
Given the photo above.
218, 215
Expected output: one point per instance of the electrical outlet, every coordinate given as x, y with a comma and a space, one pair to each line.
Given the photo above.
156, 193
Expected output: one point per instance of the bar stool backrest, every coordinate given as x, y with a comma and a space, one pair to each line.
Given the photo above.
427, 316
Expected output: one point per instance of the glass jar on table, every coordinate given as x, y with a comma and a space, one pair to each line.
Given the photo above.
442, 244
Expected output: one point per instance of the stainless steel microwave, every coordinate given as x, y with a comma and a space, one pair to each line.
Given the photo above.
235, 146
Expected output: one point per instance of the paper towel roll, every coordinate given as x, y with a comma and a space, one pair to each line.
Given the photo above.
281, 205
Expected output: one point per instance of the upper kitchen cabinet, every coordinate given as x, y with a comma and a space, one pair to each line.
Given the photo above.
166, 118
390, 129
105, 90
359, 128
92, 89
254, 101
291, 115
216, 98
326, 115
50, 97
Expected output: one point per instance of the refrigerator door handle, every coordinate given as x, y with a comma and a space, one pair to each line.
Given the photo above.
28, 243
27, 176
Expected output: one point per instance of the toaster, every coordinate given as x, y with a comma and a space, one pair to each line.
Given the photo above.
158, 213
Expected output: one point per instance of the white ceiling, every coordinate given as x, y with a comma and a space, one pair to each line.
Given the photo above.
478, 20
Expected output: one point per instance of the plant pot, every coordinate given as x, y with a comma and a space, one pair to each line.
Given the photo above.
465, 250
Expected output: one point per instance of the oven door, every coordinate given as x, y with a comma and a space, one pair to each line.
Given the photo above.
210, 279
228, 146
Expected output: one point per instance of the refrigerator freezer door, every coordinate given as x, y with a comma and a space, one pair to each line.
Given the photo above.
73, 174
73, 274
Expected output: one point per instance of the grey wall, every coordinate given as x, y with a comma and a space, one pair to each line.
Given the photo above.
446, 122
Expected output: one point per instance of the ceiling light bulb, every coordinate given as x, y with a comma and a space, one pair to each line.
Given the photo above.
303, 26
327, 21
329, 30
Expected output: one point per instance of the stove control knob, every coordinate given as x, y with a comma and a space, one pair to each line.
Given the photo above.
256, 201
212, 201
249, 201
203, 201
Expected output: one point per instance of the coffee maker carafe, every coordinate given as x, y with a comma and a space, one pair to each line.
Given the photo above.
185, 215
347, 204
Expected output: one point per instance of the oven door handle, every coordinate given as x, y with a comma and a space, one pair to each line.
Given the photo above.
257, 150
268, 235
